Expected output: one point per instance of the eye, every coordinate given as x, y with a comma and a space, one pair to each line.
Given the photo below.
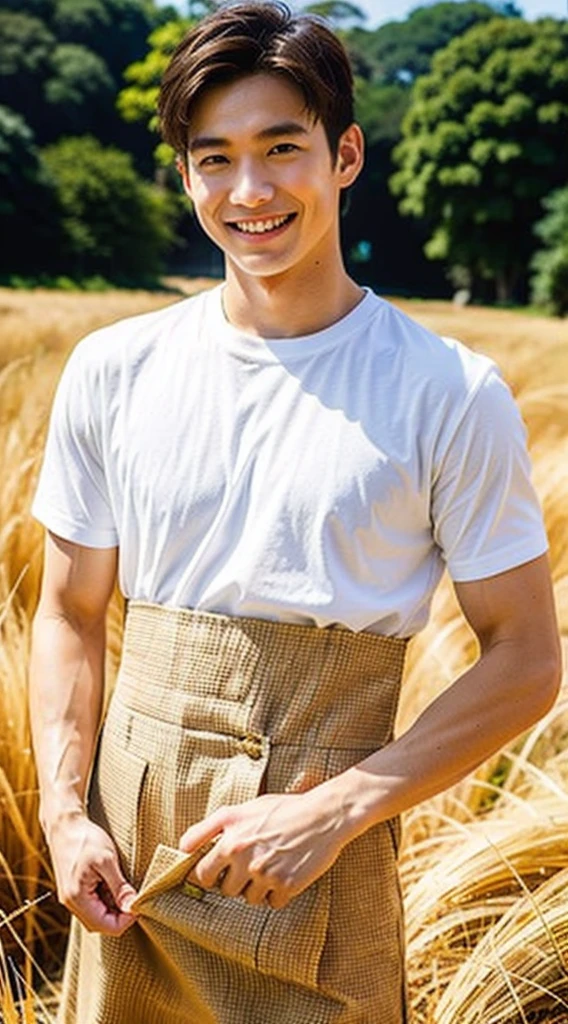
213, 160
284, 147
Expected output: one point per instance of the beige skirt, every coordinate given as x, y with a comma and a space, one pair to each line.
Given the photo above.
210, 710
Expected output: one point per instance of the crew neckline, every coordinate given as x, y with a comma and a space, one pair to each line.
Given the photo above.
254, 348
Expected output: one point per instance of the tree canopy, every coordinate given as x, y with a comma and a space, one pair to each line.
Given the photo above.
62, 61
484, 139
400, 51
339, 13
385, 63
112, 222
28, 214
550, 281
138, 100
61, 67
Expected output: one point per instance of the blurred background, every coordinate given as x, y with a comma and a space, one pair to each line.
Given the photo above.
464, 107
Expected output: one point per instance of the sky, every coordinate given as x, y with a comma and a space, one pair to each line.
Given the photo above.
379, 11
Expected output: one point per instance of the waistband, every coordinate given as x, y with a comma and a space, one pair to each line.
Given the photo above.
216, 673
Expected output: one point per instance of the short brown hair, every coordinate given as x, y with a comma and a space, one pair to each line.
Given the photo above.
248, 38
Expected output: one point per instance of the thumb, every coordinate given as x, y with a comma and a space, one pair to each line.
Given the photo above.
123, 893
126, 898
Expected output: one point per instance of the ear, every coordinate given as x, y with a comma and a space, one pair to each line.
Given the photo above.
181, 166
350, 155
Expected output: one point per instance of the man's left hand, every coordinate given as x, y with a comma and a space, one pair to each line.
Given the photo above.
268, 849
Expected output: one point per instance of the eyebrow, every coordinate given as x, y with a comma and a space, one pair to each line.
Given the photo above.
283, 128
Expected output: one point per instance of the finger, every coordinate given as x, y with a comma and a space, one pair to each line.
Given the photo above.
234, 880
201, 833
111, 923
122, 892
256, 891
208, 869
108, 925
96, 916
277, 899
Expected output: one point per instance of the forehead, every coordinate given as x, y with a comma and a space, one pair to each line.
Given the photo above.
247, 106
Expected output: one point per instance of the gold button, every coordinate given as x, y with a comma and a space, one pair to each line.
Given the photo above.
195, 891
252, 745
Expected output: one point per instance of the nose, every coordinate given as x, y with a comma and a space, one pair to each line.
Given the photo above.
250, 187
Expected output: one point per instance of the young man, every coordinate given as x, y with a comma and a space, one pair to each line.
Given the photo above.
278, 469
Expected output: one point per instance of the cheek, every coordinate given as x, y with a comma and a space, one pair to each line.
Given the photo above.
205, 195
312, 186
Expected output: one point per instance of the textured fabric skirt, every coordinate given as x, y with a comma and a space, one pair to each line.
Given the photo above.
210, 710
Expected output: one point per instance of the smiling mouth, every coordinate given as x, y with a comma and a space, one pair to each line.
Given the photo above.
268, 226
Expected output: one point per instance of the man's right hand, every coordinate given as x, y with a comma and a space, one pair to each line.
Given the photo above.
89, 879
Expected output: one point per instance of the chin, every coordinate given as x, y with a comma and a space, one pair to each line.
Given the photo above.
261, 266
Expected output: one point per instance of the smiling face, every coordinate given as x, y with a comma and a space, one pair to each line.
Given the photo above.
262, 179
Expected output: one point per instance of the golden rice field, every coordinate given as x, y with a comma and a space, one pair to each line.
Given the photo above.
484, 866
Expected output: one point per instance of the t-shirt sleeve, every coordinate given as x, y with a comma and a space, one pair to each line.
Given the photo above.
72, 498
485, 513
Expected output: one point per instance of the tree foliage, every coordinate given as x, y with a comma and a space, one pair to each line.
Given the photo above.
18, 160
61, 67
138, 101
28, 213
550, 263
80, 86
386, 62
339, 13
400, 51
113, 223
71, 68
26, 47
380, 110
62, 61
484, 140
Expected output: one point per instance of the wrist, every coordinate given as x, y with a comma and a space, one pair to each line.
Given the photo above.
355, 802
54, 818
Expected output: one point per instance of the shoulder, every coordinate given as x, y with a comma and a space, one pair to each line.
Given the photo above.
437, 377
127, 345
442, 361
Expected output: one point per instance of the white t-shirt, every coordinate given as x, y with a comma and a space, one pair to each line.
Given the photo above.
322, 479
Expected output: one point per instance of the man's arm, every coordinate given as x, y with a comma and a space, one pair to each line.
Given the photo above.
280, 843
512, 685
66, 694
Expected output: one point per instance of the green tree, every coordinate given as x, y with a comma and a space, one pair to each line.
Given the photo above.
117, 30
386, 62
26, 47
550, 281
113, 222
27, 209
483, 141
137, 102
80, 88
61, 66
38, 8
340, 13
380, 110
81, 21
400, 51
393, 245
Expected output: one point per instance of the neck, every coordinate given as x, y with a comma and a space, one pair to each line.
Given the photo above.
290, 304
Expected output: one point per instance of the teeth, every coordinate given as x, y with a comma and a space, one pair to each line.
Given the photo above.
257, 227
